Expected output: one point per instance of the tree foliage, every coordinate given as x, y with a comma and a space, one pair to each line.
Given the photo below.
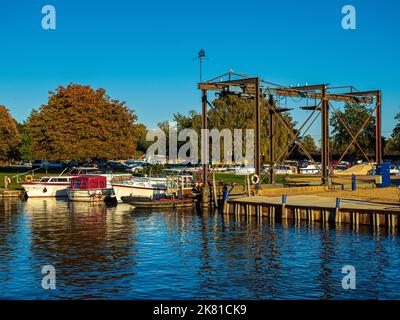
233, 112
394, 141
354, 115
25, 149
81, 123
391, 148
309, 143
140, 138
9, 136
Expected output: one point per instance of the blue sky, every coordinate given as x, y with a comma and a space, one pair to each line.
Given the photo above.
141, 51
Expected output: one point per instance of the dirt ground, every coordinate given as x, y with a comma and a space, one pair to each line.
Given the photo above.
385, 195
366, 190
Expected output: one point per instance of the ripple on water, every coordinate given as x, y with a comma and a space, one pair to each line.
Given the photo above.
103, 252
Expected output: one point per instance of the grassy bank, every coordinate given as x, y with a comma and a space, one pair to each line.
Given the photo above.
233, 178
12, 172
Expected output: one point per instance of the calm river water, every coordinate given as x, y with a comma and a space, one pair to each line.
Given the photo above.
102, 252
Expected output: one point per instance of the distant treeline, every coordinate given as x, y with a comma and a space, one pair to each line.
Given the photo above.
83, 124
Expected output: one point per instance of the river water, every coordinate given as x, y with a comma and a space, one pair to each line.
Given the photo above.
102, 252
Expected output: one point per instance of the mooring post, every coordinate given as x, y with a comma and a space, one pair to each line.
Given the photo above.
353, 182
225, 197
337, 211
284, 212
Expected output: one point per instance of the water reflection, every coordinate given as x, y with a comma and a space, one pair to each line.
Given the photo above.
117, 252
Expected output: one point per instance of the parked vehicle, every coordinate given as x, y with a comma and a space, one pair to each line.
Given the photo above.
55, 165
285, 169
245, 170
47, 165
310, 169
117, 166
394, 171
39, 164
136, 166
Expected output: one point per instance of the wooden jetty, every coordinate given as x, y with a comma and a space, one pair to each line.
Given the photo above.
316, 208
11, 193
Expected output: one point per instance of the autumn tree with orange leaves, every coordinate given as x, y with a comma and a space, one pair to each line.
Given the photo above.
9, 136
81, 123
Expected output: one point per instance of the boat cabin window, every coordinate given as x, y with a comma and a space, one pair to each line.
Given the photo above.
45, 179
60, 180
180, 182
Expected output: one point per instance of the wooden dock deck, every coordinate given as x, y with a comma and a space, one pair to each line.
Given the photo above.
317, 208
11, 193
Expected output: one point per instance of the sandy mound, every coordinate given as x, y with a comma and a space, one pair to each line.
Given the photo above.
359, 169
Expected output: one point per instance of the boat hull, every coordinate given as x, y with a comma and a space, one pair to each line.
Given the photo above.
158, 204
41, 190
100, 195
121, 190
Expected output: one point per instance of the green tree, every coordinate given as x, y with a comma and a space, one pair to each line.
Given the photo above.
233, 112
9, 136
354, 115
391, 148
140, 138
81, 123
396, 131
309, 143
25, 149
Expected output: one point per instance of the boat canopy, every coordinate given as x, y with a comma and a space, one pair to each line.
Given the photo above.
87, 182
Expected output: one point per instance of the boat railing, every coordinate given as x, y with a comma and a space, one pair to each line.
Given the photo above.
24, 174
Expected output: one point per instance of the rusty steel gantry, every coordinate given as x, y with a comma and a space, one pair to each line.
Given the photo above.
257, 88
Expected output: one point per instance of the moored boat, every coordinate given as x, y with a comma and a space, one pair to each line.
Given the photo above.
56, 186
90, 188
47, 187
166, 203
153, 187
178, 193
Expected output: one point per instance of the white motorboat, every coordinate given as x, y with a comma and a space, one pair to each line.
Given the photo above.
56, 186
141, 187
152, 187
47, 187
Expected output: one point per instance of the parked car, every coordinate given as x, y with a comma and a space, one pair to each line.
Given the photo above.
26, 163
117, 166
137, 167
55, 165
47, 165
71, 164
39, 164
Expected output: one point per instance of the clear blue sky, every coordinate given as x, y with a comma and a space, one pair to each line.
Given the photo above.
141, 51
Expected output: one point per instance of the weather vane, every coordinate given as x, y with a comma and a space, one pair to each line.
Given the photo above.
201, 56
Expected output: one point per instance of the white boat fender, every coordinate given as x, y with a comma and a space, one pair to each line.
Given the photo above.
255, 179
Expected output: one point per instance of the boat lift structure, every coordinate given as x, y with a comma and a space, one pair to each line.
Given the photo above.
256, 88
